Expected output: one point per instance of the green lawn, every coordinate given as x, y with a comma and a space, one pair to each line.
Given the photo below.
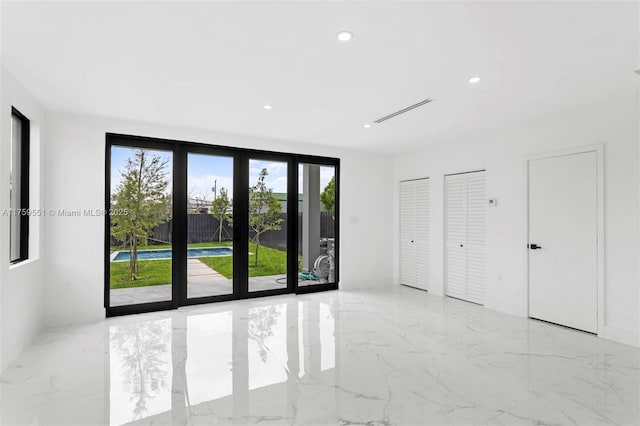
158, 272
150, 272
271, 262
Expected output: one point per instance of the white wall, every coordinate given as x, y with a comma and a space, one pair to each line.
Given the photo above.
75, 156
21, 286
613, 122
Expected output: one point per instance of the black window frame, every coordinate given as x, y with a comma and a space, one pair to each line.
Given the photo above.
180, 150
24, 179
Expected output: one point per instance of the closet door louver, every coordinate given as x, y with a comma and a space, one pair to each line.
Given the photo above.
454, 230
476, 236
407, 230
414, 233
422, 233
465, 236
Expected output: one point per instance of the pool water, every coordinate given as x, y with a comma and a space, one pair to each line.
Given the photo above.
122, 256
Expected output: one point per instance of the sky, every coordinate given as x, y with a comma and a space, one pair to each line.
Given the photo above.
207, 171
119, 157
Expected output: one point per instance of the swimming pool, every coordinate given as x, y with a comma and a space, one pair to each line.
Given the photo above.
122, 256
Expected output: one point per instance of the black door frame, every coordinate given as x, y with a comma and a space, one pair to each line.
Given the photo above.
335, 163
241, 157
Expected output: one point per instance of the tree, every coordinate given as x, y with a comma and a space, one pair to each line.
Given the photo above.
260, 326
264, 211
327, 197
142, 349
221, 210
141, 193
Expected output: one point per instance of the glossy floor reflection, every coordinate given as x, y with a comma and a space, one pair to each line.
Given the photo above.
395, 356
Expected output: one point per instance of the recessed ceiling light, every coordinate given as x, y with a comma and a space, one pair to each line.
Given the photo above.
474, 80
345, 35
367, 126
267, 107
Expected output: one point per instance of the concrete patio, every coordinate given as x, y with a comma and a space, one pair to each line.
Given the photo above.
202, 281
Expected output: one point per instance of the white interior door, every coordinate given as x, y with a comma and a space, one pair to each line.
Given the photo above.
407, 232
475, 246
465, 236
414, 233
455, 224
563, 252
421, 236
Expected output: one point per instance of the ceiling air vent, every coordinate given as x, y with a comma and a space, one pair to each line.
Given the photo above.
402, 111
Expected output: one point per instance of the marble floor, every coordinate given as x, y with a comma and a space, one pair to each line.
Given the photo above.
397, 356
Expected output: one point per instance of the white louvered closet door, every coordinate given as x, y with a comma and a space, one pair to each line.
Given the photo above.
455, 236
421, 236
414, 233
407, 231
476, 236
465, 236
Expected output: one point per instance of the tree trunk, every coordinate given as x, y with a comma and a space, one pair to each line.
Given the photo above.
133, 258
219, 230
255, 263
134, 252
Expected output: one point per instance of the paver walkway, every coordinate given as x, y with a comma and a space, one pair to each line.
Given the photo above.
202, 281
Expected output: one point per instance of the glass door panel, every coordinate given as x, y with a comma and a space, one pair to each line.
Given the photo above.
209, 225
267, 225
140, 226
316, 224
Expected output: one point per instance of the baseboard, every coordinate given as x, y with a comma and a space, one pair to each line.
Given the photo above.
417, 288
620, 336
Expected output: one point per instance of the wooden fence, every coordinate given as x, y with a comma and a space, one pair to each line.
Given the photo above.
204, 228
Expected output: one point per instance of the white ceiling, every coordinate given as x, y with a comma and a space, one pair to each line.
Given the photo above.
213, 65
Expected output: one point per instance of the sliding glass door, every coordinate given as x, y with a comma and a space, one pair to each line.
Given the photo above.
209, 225
140, 208
317, 220
191, 223
267, 216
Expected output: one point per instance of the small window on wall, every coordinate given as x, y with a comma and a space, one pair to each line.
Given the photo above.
19, 187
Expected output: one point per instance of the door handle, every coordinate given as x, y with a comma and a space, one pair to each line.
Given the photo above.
534, 247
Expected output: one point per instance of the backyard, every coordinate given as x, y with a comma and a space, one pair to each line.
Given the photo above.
142, 205
158, 272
